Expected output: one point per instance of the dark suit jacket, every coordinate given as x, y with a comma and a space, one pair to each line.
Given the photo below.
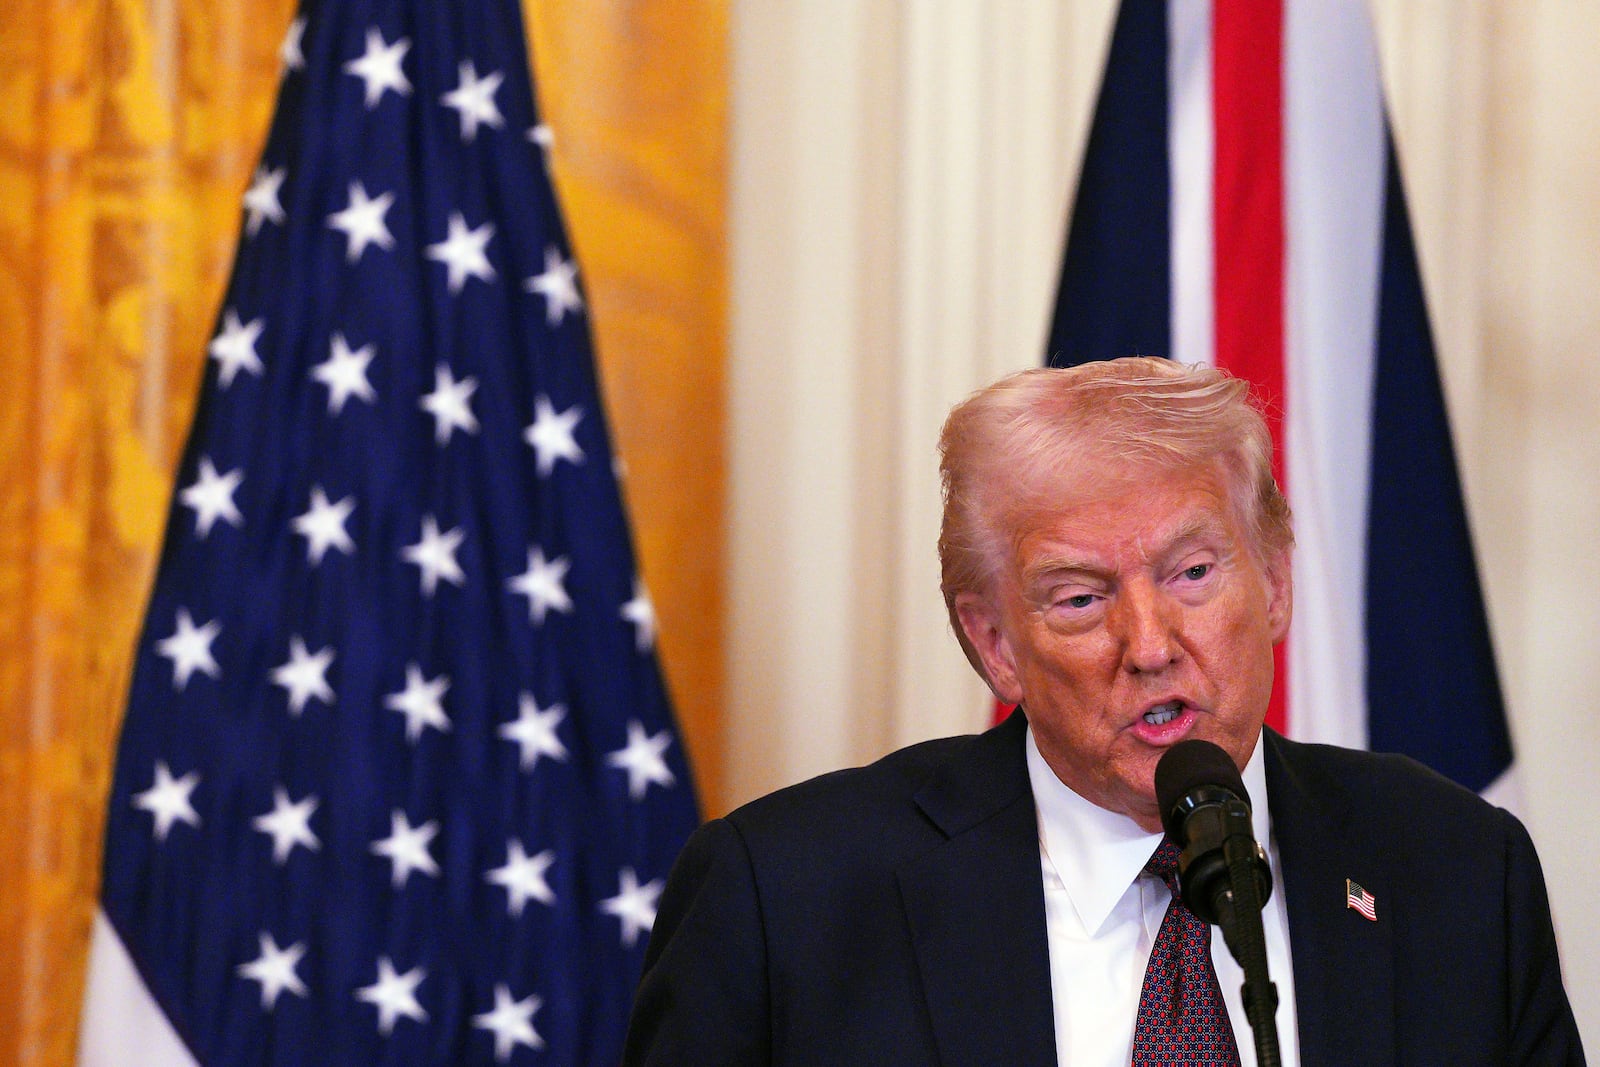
894, 914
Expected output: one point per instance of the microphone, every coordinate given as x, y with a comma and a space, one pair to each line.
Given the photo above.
1205, 810
1222, 870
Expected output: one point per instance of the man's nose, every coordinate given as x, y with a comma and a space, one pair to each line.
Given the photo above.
1148, 628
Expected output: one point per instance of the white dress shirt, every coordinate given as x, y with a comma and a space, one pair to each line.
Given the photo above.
1102, 913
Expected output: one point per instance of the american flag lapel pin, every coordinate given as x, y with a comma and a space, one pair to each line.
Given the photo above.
1361, 900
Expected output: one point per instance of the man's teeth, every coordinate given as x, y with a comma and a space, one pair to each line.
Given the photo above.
1162, 714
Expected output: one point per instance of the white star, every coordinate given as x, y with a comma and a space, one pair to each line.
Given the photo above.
168, 800
211, 496
474, 100
543, 136
261, 203
345, 373
535, 731
635, 905
543, 583
394, 995
450, 404
235, 346
189, 649
304, 676
642, 614
641, 758
288, 823
558, 284
421, 702
323, 526
523, 877
463, 252
379, 67
362, 222
407, 847
274, 969
550, 434
435, 554
289, 52
511, 1021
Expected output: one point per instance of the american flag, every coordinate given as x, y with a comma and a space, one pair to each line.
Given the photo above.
398, 780
1361, 900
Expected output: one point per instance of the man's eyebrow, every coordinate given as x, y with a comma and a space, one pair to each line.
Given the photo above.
1172, 542
1206, 530
1200, 528
1064, 566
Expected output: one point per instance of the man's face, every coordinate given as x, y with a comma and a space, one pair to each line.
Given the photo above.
1129, 621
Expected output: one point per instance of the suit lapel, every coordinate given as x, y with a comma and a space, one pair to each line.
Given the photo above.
975, 907
1343, 963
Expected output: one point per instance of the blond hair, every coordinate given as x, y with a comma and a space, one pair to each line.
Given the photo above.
1004, 451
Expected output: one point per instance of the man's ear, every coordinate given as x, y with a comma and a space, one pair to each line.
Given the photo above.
987, 641
1280, 596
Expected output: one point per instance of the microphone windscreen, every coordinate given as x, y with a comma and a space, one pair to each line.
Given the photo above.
1189, 765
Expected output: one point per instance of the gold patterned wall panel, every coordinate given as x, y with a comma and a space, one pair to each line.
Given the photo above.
128, 131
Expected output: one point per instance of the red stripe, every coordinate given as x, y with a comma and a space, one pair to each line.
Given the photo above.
1247, 219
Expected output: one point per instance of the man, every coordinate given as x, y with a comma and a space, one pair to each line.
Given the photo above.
1115, 561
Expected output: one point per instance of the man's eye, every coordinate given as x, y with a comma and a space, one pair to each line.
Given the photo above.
1197, 572
1081, 601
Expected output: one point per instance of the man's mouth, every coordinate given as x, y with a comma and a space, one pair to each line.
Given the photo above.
1162, 714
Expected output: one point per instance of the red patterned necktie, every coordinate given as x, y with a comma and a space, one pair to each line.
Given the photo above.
1182, 1019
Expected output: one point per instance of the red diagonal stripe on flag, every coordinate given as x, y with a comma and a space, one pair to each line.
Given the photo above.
1247, 221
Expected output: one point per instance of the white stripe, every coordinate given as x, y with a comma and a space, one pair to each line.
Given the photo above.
1333, 191
1189, 145
121, 1022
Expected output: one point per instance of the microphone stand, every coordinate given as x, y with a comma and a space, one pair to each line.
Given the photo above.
1242, 930
1227, 886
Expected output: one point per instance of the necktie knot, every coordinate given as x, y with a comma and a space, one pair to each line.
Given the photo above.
1163, 863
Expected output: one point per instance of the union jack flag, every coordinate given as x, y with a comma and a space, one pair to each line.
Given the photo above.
1240, 204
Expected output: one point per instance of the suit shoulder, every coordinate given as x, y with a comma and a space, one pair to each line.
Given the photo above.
1385, 788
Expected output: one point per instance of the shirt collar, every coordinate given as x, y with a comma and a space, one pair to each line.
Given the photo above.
1098, 854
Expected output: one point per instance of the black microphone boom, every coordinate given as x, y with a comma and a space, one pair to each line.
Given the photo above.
1222, 870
